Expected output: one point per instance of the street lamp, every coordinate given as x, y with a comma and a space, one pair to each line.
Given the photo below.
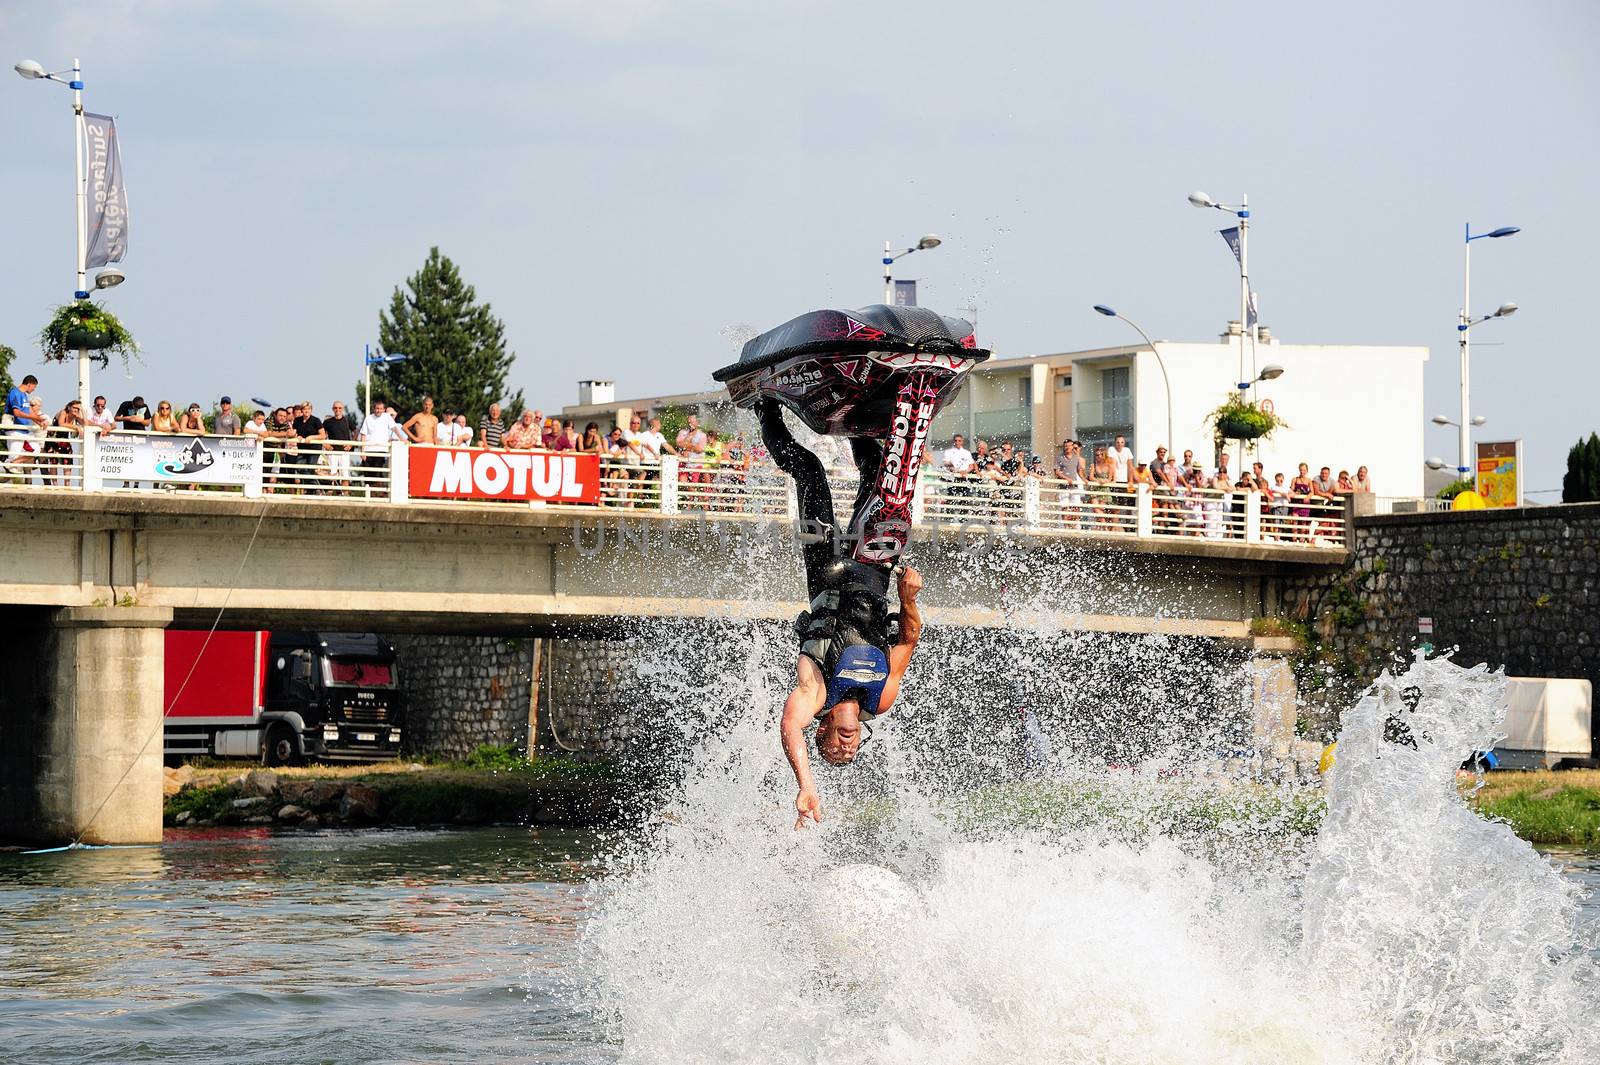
33, 71
1109, 313
1464, 327
1242, 252
929, 240
1270, 372
378, 358
1440, 419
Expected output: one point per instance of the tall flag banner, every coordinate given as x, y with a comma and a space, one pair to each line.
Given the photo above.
905, 293
1254, 315
1232, 237
105, 207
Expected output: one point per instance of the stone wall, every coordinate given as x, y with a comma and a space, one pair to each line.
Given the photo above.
464, 691
1518, 589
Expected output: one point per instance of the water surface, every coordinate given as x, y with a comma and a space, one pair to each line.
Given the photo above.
378, 946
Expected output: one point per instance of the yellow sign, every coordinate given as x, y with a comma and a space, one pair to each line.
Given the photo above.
1500, 473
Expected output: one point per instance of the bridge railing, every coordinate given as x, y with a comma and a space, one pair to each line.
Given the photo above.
346, 471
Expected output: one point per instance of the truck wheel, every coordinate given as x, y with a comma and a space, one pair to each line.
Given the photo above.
278, 746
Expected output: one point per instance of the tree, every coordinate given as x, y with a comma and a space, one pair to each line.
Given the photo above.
455, 348
6, 355
1582, 482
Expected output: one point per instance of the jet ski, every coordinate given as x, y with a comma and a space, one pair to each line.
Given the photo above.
843, 373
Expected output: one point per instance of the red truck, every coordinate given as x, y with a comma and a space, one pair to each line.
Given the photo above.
282, 696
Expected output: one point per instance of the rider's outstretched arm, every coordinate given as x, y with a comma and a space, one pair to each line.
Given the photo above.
910, 633
798, 712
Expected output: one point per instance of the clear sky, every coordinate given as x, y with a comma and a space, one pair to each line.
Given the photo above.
629, 182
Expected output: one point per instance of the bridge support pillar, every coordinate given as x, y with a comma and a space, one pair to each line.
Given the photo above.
1274, 694
81, 716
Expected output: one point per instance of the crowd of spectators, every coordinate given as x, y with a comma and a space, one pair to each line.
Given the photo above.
1092, 487
341, 451
1098, 489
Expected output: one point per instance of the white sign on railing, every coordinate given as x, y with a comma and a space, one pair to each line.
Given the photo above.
177, 459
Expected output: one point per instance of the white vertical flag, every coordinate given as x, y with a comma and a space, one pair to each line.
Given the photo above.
105, 207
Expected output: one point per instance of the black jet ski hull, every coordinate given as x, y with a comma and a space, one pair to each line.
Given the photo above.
841, 372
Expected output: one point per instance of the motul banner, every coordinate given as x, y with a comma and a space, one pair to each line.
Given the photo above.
477, 473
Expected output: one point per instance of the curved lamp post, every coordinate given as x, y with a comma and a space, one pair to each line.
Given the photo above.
929, 240
108, 278
1464, 328
1165, 380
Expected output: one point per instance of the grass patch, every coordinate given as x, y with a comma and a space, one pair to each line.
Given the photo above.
204, 802
1183, 808
1545, 807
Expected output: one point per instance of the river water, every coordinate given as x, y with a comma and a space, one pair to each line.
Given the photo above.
375, 946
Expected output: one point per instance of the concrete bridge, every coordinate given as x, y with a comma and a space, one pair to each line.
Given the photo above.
90, 580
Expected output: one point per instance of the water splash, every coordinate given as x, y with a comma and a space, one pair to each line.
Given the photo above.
1145, 891
920, 925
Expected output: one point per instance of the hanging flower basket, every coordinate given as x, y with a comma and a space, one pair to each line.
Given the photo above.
84, 325
1238, 420
80, 337
1239, 429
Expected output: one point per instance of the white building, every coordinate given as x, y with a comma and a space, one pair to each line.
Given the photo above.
1346, 406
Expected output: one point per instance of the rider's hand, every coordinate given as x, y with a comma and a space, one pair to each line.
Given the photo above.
809, 804
910, 583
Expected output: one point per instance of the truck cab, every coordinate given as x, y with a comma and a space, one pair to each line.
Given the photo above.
336, 695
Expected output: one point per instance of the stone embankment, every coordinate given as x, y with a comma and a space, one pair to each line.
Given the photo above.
416, 795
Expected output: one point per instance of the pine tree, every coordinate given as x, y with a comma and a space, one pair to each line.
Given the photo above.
1582, 482
455, 348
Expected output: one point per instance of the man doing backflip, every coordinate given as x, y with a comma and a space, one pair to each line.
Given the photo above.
853, 652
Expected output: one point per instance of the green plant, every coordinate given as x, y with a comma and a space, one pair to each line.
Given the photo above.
455, 347
1277, 625
1542, 602
7, 354
85, 324
1455, 488
1238, 419
1582, 481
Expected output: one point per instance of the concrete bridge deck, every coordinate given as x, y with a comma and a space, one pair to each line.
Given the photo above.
492, 569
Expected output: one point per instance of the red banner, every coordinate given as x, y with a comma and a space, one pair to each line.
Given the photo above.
477, 473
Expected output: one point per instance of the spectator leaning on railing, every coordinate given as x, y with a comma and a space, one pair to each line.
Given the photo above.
227, 420
100, 417
133, 415
18, 416
524, 434
491, 430
192, 421
164, 421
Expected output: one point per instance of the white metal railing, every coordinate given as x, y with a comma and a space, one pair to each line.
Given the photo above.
42, 457
1403, 505
277, 466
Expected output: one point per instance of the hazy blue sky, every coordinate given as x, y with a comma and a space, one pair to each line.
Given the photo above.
627, 180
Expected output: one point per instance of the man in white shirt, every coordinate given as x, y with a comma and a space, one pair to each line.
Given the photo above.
100, 417
1121, 457
377, 429
956, 459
